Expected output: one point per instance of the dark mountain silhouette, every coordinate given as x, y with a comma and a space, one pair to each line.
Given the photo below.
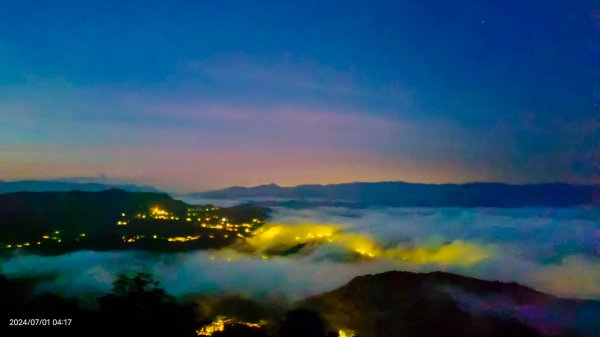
136, 307
421, 195
73, 212
64, 186
427, 304
54, 222
384, 305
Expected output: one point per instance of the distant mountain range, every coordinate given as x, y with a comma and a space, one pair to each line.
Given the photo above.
63, 186
408, 304
420, 195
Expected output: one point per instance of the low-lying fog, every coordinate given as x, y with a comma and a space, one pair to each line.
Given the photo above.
309, 251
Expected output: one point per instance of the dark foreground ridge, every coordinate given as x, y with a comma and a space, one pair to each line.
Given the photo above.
422, 195
392, 304
427, 304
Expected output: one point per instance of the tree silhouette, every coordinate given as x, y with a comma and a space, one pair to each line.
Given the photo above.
137, 285
138, 306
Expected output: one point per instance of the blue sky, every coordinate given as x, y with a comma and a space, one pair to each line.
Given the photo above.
192, 95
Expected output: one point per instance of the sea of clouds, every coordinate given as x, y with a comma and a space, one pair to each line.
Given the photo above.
555, 250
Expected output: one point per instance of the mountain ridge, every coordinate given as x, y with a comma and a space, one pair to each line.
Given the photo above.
399, 193
65, 186
401, 303
56, 222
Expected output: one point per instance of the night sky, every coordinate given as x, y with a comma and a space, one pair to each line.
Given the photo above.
194, 95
